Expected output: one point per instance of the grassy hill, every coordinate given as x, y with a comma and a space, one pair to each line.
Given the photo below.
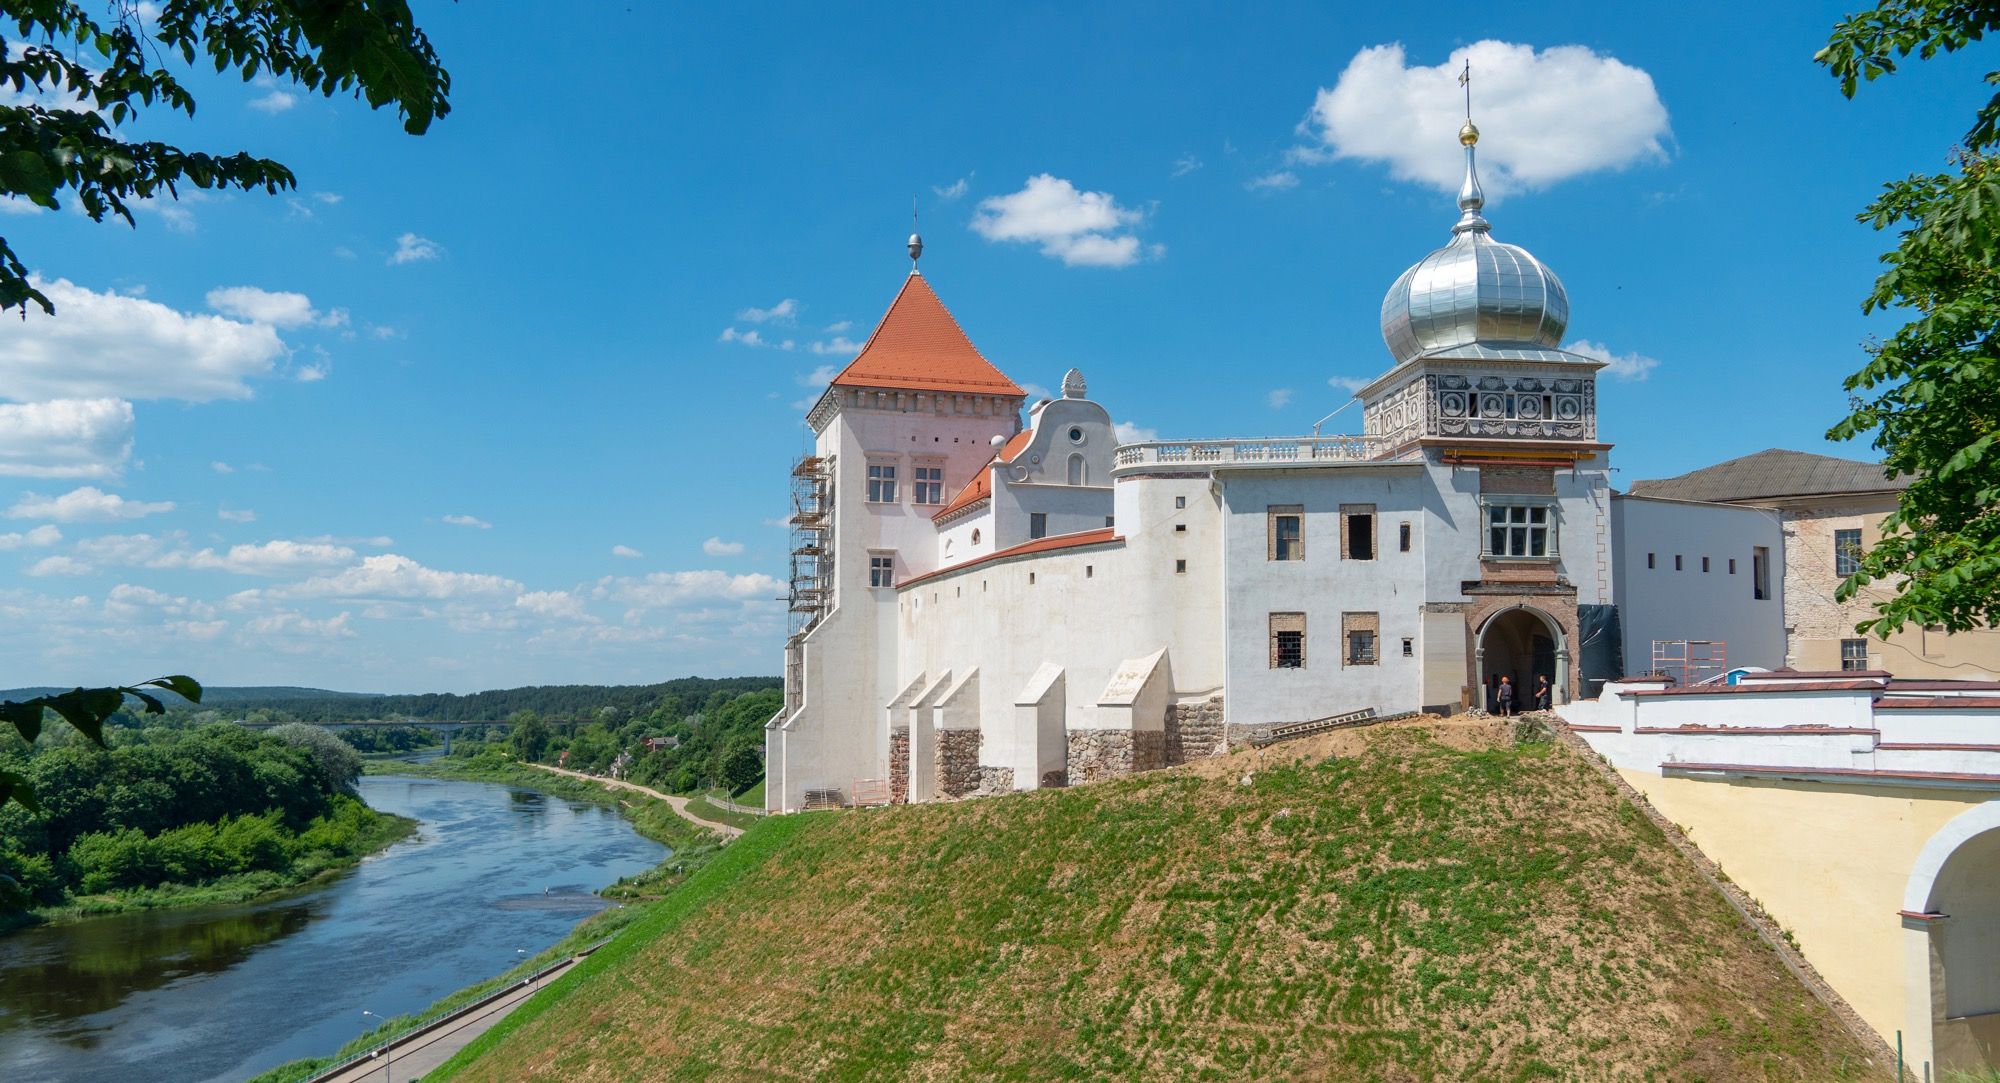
1419, 902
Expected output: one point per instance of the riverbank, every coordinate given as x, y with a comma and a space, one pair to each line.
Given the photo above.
379, 831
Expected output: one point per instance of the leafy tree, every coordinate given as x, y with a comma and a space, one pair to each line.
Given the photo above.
78, 79
741, 766
1930, 393
86, 709
529, 736
339, 765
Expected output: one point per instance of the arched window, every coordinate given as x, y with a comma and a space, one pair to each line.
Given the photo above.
1079, 474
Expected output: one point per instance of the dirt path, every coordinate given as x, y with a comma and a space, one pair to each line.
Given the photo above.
680, 804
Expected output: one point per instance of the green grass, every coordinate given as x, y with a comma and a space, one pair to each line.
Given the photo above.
1411, 912
709, 810
754, 796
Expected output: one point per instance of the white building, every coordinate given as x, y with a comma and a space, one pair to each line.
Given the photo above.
984, 606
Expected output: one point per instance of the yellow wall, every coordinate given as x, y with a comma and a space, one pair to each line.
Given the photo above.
1829, 862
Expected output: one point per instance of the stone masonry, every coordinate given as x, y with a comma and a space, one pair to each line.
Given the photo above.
1195, 731
957, 762
995, 780
1099, 754
899, 765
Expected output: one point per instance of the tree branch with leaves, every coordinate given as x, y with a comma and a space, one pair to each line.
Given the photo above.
86, 710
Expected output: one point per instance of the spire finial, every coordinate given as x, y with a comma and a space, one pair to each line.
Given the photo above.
1470, 197
916, 242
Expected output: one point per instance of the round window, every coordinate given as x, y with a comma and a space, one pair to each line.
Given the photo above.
1075, 434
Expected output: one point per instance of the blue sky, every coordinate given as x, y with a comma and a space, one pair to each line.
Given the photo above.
484, 408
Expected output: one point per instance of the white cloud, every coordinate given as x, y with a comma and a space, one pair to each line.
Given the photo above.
665, 589
838, 344
1543, 116
411, 248
1280, 398
286, 622
1185, 164
221, 467
839, 327
88, 504
313, 373
468, 520
279, 308
65, 438
716, 547
785, 311
1273, 182
954, 190
1349, 384
59, 566
276, 101
753, 337
626, 551
553, 603
1128, 433
1079, 228
271, 558
1628, 367
40, 538
390, 575
236, 515
113, 346
819, 377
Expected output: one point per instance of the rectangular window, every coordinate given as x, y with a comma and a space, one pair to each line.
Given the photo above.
1846, 552
1519, 528
1704, 565
1180, 528
881, 483
1357, 531
1677, 562
1359, 632
1110, 521
1403, 537
1180, 566
1409, 647
1287, 532
1732, 565
930, 484
1649, 560
1288, 641
881, 571
1853, 654
1180, 502
1760, 572
1038, 524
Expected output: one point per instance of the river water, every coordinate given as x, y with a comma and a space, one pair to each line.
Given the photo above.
221, 993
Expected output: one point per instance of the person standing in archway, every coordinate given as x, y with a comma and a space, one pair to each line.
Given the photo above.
1543, 695
1505, 696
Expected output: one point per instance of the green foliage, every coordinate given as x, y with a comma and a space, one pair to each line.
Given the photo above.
722, 744
78, 80
528, 735
1930, 394
85, 709
338, 763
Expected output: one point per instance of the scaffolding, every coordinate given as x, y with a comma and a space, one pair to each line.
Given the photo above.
811, 593
1690, 661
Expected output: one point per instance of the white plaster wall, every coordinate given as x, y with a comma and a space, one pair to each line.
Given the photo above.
1322, 586
1037, 479
1454, 521
1659, 603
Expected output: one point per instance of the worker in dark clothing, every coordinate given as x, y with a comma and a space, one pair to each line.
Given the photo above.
1543, 695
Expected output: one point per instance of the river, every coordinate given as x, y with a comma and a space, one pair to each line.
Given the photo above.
222, 993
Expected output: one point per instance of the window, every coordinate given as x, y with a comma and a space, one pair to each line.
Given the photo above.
881, 571
1357, 531
1732, 565
1180, 528
1110, 521
1403, 537
1649, 560
1760, 572
1409, 647
1075, 434
1677, 562
1288, 641
1518, 528
1287, 529
881, 483
1079, 474
1704, 565
1180, 502
930, 484
1038, 524
1846, 552
1359, 632
1180, 567
1853, 654
1089, 571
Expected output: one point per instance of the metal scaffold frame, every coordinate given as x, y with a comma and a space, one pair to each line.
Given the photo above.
811, 584
1690, 661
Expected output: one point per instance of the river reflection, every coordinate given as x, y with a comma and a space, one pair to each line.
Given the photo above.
220, 993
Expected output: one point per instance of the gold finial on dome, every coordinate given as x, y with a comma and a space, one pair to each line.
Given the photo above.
1468, 135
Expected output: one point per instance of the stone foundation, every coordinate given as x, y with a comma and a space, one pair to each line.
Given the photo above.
899, 765
1054, 780
958, 768
1149, 750
994, 780
1099, 754
1195, 731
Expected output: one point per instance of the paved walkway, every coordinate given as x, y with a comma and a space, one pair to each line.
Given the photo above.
680, 804
422, 1053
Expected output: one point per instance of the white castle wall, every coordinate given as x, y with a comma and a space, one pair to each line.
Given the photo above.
1662, 603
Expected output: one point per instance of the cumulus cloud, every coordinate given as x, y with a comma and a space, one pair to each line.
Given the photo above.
287, 622
838, 344
1280, 398
626, 551
1079, 228
39, 538
1273, 182
1128, 433
559, 604
390, 575
65, 438
667, 589
753, 337
221, 467
275, 102
785, 311
468, 520
236, 515
88, 504
279, 308
60, 566
411, 248
716, 547
1349, 384
115, 346
1626, 366
276, 558
1544, 116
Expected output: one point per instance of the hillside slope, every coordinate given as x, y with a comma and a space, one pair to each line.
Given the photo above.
1414, 902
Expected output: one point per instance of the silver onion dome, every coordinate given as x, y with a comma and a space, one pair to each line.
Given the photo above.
1475, 290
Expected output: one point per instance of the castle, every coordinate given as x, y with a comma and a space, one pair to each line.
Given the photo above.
986, 607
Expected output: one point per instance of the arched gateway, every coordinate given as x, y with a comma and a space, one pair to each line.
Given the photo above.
1522, 643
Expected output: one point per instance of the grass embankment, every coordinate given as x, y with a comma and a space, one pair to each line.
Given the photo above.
1416, 902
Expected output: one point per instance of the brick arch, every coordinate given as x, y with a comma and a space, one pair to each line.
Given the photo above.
1557, 611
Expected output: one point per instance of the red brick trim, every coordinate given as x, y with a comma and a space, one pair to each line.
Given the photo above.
1744, 689
1756, 731
1834, 772
1576, 728
1915, 746
1938, 703
1103, 536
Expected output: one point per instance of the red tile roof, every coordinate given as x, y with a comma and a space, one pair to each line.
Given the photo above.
1100, 536
919, 346
1940, 703
1789, 674
1758, 688
981, 485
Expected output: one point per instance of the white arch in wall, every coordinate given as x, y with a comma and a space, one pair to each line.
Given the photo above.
1958, 831
1561, 676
